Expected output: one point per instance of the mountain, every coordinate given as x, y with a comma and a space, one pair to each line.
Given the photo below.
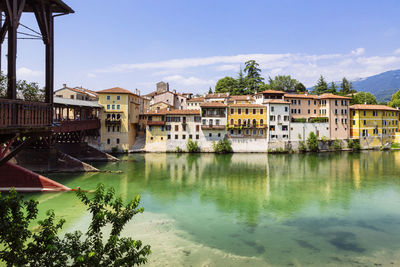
382, 85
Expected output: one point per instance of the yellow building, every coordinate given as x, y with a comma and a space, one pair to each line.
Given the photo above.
119, 119
247, 120
374, 125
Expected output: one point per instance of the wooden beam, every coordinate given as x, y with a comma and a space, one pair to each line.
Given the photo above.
15, 151
49, 57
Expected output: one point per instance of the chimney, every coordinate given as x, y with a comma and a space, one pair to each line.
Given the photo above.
174, 91
168, 108
64, 85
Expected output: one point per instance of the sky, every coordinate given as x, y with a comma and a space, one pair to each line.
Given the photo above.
191, 44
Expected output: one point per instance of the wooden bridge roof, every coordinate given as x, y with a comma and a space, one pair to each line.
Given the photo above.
58, 6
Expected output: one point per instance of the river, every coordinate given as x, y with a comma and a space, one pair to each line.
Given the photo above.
252, 209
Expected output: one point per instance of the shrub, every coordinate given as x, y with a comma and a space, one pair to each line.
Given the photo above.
336, 145
303, 120
302, 145
312, 142
114, 149
395, 145
192, 146
353, 144
324, 139
23, 247
319, 119
178, 150
222, 146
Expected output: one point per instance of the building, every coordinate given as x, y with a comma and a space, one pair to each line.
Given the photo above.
213, 120
195, 102
240, 99
217, 97
78, 93
374, 125
119, 118
164, 95
247, 120
303, 106
336, 109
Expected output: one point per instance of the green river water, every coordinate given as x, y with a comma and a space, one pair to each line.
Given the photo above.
338, 209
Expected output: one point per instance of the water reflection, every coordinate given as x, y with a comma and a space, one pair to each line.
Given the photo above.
265, 205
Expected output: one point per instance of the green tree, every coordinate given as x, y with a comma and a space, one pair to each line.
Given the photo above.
253, 76
321, 87
20, 246
222, 146
210, 90
30, 91
346, 87
333, 88
363, 98
395, 100
226, 85
192, 146
312, 142
300, 88
3, 85
240, 84
283, 83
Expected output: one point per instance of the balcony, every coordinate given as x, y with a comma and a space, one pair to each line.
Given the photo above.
111, 121
16, 114
156, 123
212, 127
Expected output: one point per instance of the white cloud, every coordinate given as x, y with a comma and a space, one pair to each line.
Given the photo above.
24, 72
358, 52
189, 81
91, 75
397, 51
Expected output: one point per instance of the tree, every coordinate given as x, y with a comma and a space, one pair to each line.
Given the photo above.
395, 100
20, 246
300, 88
333, 88
346, 87
192, 146
321, 87
363, 98
240, 84
312, 142
253, 76
283, 83
3, 85
225, 85
30, 91
210, 90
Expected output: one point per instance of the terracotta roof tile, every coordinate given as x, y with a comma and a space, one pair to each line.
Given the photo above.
332, 96
373, 107
196, 99
116, 90
241, 97
300, 96
217, 95
271, 92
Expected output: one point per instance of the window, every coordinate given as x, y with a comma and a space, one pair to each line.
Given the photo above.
190, 136
108, 141
261, 111
117, 140
365, 122
176, 128
335, 102
168, 136
247, 111
309, 102
210, 135
108, 97
272, 128
364, 113
176, 136
261, 122
364, 133
232, 121
354, 112
108, 129
374, 113
239, 121
309, 111
231, 131
315, 111
118, 97
168, 127
197, 128
286, 109
336, 120
162, 128
232, 111
204, 121
272, 109
219, 134
261, 132
118, 106
239, 131
254, 111
299, 111
113, 106
184, 128
247, 132
197, 119
336, 112
284, 128
272, 118
184, 136
375, 131
117, 128
113, 128
239, 111
299, 101
197, 136
108, 106
354, 122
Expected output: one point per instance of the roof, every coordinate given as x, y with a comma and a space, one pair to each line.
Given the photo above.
272, 92
241, 97
275, 101
373, 107
116, 90
300, 96
247, 105
76, 102
329, 95
57, 6
79, 90
173, 112
217, 95
213, 105
196, 99
162, 102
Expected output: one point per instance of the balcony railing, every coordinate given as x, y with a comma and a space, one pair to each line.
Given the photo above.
156, 123
73, 126
24, 114
247, 126
212, 127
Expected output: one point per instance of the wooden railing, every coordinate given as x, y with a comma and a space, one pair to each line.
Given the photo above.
24, 114
73, 126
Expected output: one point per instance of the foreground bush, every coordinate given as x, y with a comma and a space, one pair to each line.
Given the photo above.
336, 145
192, 146
20, 246
222, 146
354, 144
312, 142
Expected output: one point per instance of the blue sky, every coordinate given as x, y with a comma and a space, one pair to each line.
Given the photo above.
191, 43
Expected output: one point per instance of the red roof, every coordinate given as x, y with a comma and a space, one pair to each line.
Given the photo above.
300, 96
247, 105
217, 95
196, 99
241, 97
116, 90
272, 92
173, 112
213, 105
329, 95
373, 107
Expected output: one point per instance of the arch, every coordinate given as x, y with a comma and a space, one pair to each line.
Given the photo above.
261, 122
